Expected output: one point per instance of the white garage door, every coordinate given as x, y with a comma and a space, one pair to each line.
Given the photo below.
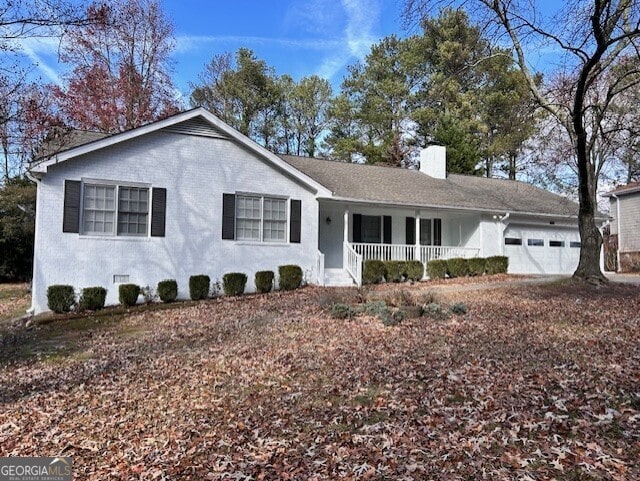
541, 250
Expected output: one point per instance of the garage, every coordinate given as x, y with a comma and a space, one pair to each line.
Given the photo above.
541, 249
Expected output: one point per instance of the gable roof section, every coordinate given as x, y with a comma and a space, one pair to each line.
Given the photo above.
392, 185
630, 188
198, 121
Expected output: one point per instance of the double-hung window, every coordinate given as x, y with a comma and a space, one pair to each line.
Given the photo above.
133, 210
99, 209
261, 218
103, 215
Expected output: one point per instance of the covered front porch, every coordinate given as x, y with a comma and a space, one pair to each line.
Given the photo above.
351, 233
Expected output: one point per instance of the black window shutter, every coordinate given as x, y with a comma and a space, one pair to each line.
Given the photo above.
386, 230
411, 230
71, 212
229, 216
357, 228
295, 224
437, 232
158, 211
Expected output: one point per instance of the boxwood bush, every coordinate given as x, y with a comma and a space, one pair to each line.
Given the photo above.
437, 269
199, 287
414, 270
92, 298
60, 298
373, 272
457, 267
128, 294
290, 277
233, 283
168, 290
264, 281
394, 270
476, 266
497, 264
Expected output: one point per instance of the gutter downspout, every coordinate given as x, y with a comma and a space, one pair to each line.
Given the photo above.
35, 180
618, 229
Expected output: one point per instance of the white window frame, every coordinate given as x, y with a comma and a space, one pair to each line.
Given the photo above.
261, 220
116, 185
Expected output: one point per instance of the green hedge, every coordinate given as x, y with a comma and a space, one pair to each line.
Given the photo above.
290, 277
168, 290
60, 298
394, 270
477, 266
437, 269
414, 270
128, 294
497, 265
92, 298
457, 267
233, 283
373, 272
199, 287
264, 281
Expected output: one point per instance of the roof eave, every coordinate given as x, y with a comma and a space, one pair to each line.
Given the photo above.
451, 208
40, 168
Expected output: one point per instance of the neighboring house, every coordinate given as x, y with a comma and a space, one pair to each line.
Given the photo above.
625, 225
190, 195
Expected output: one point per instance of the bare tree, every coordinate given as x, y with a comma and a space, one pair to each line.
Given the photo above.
21, 20
591, 36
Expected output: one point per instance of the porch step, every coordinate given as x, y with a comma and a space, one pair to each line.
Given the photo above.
337, 278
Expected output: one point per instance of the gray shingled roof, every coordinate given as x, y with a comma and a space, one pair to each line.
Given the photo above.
410, 187
68, 139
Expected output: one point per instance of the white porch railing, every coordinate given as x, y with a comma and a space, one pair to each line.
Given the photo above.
320, 268
406, 252
353, 263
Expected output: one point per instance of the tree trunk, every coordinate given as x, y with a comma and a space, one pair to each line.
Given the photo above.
589, 266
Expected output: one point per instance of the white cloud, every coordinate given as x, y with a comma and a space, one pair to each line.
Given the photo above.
187, 43
36, 49
362, 17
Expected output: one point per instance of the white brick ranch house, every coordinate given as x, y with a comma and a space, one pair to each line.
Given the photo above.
190, 195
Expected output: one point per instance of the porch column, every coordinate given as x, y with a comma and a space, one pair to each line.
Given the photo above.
416, 254
345, 237
346, 224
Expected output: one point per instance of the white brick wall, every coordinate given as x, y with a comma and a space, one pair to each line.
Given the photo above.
196, 171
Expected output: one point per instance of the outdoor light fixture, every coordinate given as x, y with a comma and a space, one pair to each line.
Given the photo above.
328, 220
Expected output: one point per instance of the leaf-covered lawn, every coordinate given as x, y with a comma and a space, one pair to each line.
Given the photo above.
533, 383
14, 301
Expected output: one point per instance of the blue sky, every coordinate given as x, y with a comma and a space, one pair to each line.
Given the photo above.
300, 38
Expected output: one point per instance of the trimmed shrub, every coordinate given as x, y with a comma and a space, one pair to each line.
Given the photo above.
92, 298
128, 294
414, 270
233, 283
199, 287
437, 269
497, 265
476, 266
168, 290
60, 298
373, 272
459, 308
290, 277
457, 267
435, 311
264, 281
342, 311
394, 270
